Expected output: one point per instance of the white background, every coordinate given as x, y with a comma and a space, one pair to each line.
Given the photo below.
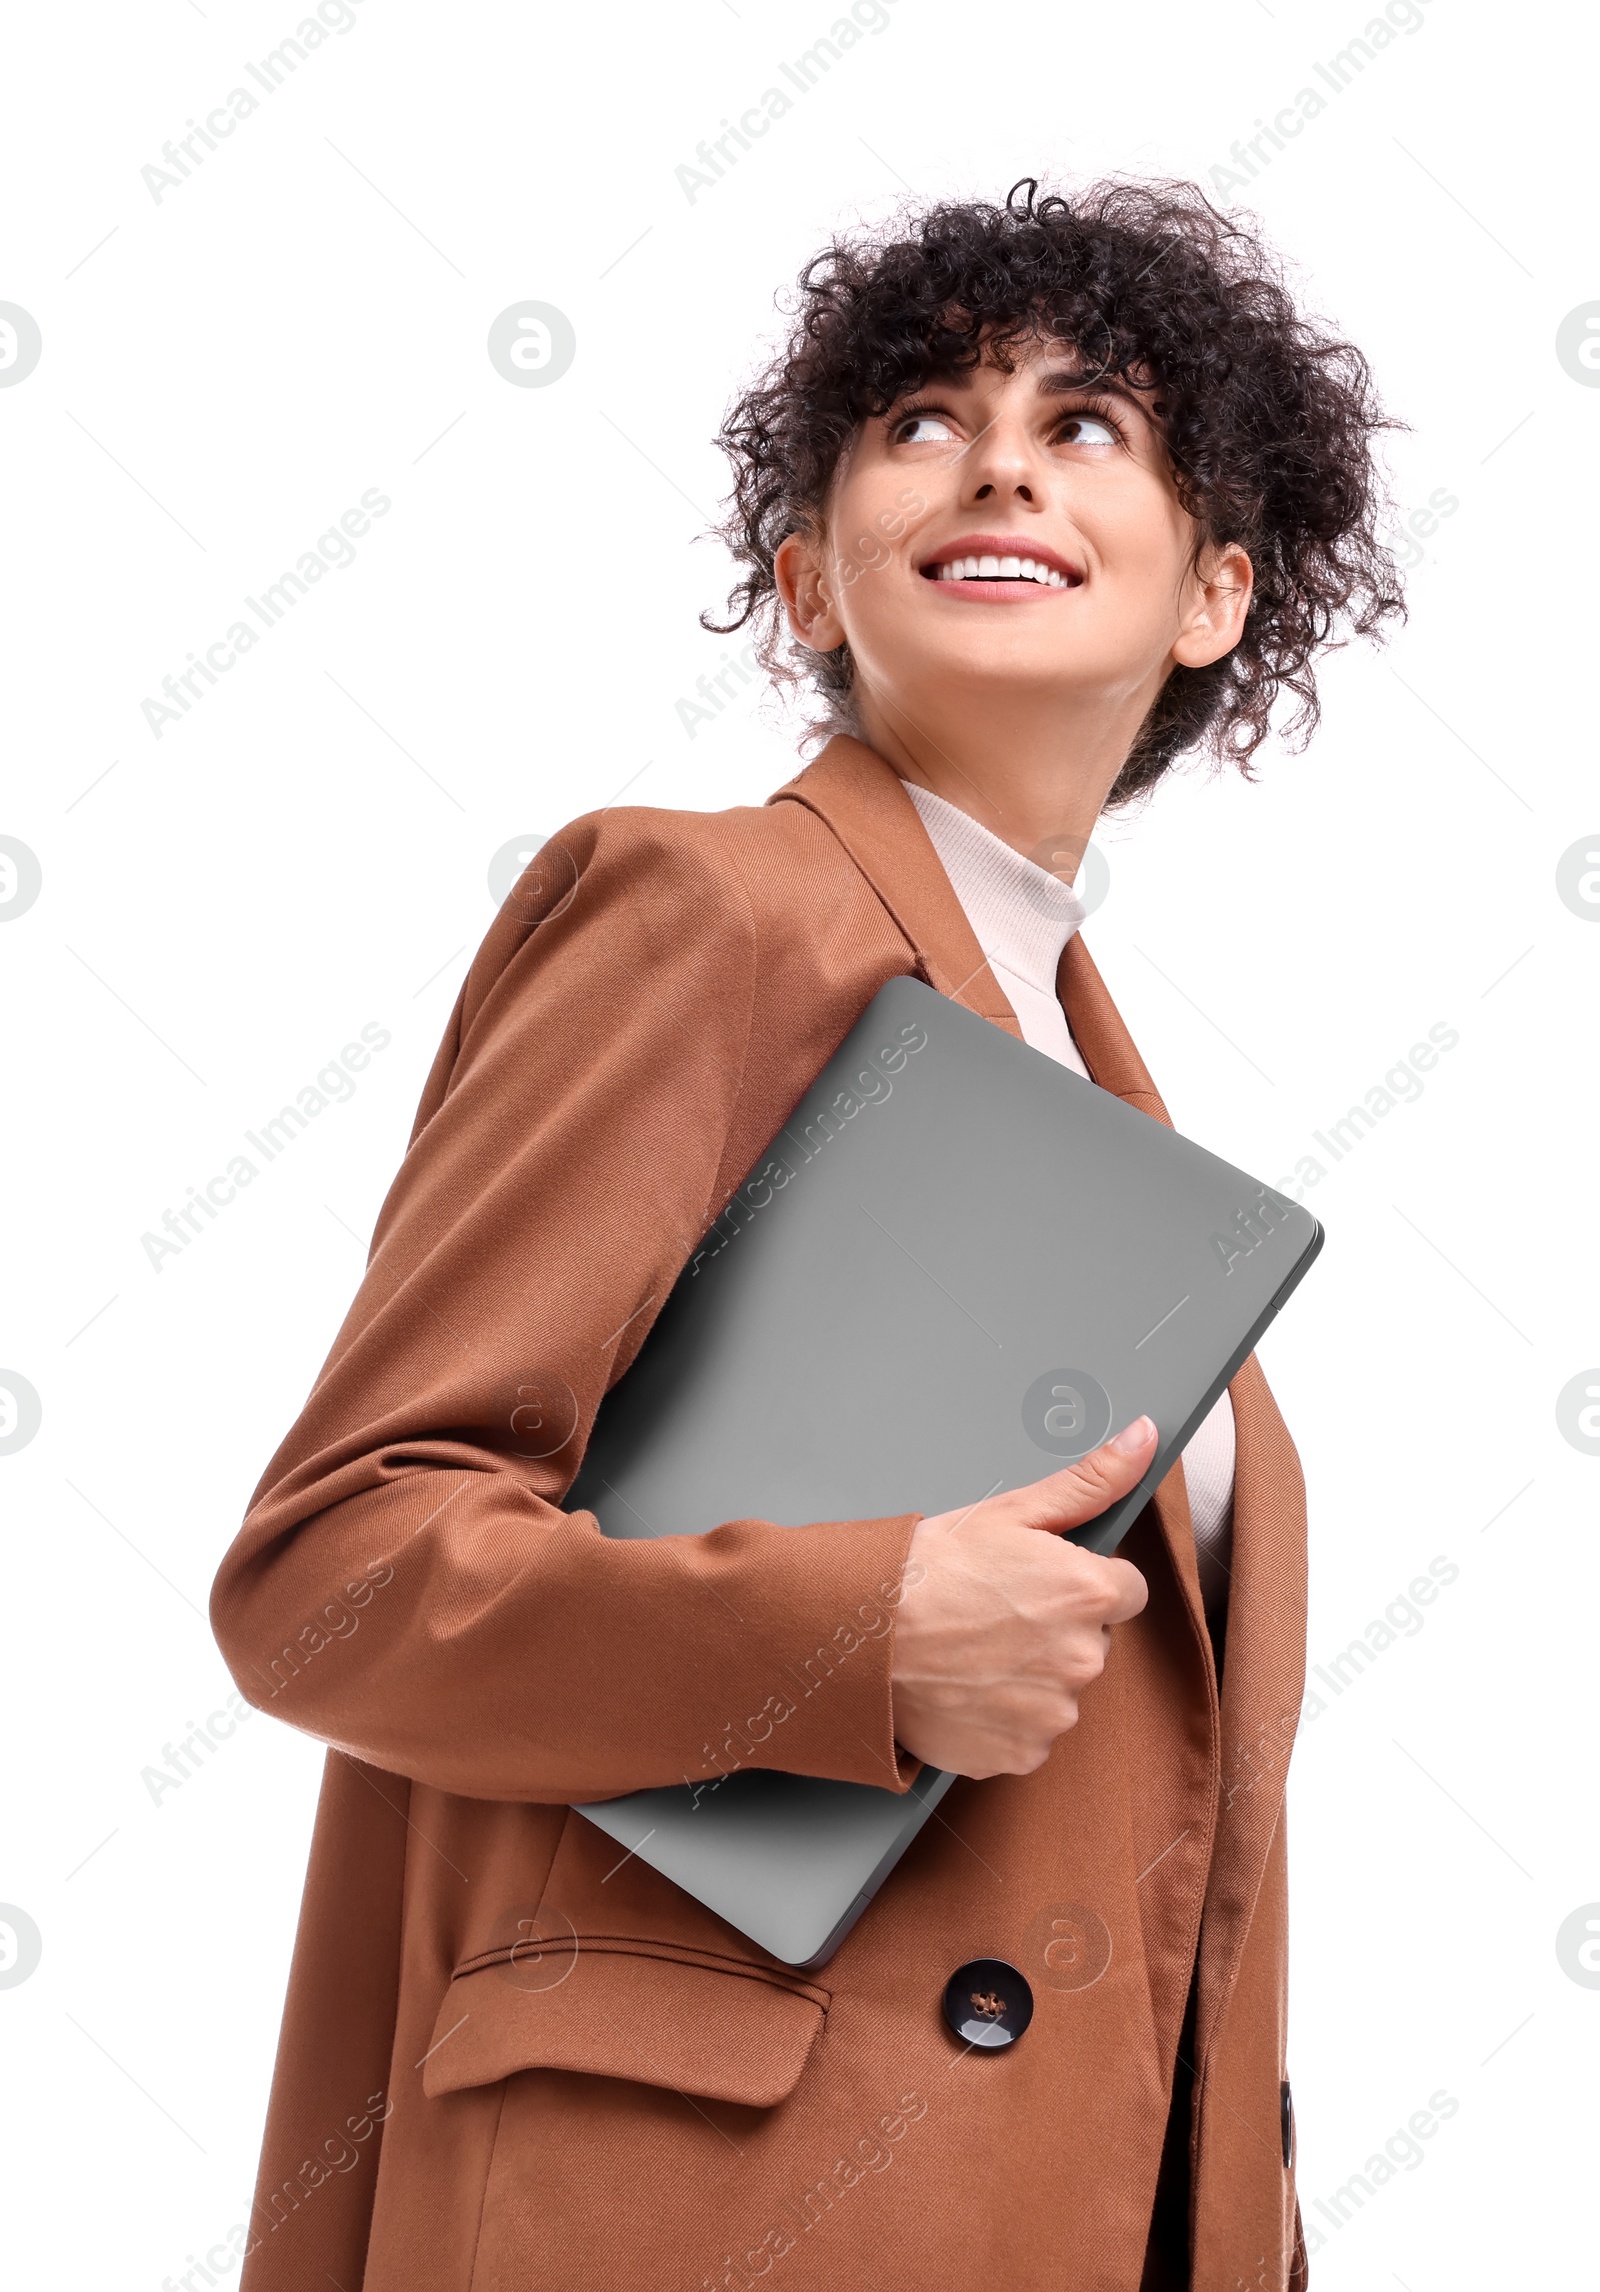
224, 372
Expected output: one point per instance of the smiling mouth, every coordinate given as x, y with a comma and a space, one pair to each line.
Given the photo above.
1017, 571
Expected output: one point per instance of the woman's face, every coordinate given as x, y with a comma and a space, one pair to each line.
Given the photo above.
1015, 538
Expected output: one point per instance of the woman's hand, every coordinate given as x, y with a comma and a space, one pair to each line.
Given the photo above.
1000, 1628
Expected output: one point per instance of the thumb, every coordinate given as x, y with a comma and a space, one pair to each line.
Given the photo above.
1083, 1490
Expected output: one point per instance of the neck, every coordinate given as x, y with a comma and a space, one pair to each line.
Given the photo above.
1038, 784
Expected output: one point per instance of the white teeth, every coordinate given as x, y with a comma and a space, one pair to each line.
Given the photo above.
1000, 569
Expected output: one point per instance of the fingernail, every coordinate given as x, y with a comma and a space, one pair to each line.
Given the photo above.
1134, 1436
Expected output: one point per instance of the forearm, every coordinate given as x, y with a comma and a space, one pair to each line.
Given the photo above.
449, 1625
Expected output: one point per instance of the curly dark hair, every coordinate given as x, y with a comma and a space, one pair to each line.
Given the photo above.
1269, 423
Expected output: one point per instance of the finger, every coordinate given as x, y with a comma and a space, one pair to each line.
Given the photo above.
1128, 1590
1081, 1491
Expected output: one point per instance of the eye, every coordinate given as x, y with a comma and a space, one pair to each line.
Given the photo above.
1085, 429
921, 428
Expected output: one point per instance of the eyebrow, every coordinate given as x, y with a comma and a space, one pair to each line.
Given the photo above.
1055, 382
1061, 381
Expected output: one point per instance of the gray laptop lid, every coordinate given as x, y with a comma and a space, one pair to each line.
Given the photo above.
957, 1267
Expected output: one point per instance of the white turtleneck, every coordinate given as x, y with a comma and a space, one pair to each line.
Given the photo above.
1022, 918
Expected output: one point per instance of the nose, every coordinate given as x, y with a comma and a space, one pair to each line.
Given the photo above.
999, 465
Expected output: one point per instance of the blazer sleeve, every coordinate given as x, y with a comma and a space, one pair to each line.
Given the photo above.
405, 1584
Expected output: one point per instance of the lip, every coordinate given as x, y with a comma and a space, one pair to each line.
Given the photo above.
999, 545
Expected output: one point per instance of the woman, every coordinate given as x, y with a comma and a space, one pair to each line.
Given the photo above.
1045, 496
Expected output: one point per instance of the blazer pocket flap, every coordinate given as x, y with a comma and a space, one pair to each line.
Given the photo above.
687, 2021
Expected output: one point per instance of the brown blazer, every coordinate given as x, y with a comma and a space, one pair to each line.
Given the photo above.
510, 2060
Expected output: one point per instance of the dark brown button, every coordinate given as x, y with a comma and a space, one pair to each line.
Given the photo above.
988, 2003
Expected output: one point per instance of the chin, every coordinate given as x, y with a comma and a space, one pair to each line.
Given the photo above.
999, 673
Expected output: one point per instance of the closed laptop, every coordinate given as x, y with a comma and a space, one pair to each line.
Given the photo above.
957, 1267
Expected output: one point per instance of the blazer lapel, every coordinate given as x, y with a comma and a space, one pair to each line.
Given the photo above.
1263, 1681
1114, 1063
862, 800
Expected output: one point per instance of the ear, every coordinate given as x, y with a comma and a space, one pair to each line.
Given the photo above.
806, 593
1215, 602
